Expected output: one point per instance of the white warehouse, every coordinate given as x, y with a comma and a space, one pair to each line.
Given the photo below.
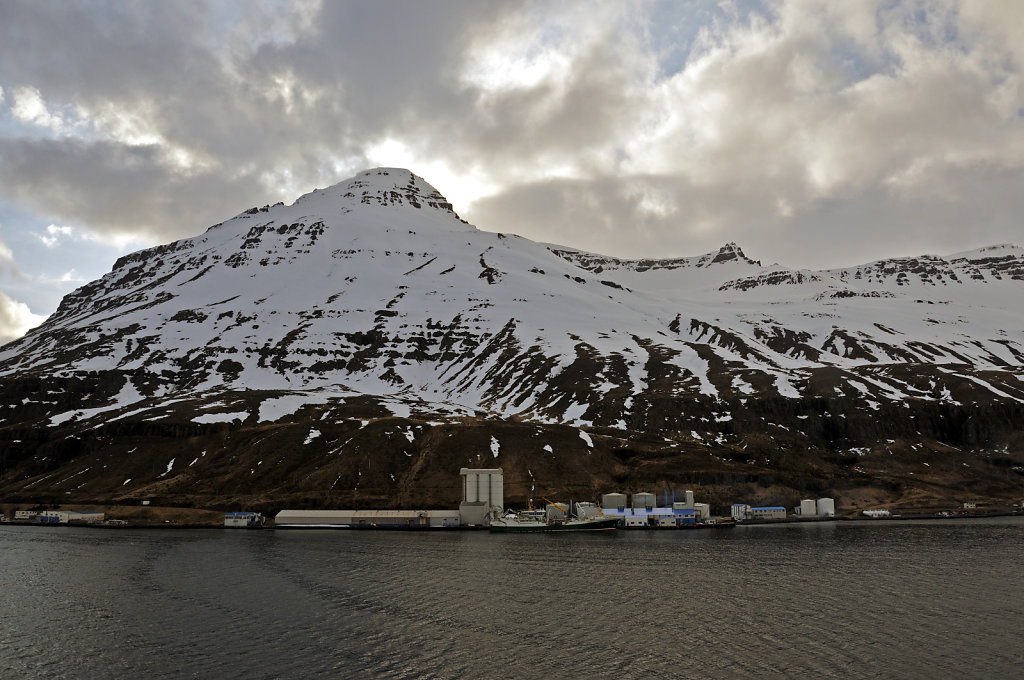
482, 500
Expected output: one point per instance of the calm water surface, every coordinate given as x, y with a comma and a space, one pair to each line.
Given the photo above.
934, 599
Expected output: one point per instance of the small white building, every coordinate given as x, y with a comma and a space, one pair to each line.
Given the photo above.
70, 517
768, 513
740, 511
25, 515
703, 511
876, 514
243, 520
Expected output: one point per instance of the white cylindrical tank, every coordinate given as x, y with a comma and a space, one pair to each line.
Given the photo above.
614, 501
808, 508
826, 507
643, 501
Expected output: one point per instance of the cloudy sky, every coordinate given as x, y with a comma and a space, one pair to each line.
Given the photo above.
813, 133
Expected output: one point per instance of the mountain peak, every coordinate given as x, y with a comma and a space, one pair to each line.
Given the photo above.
732, 252
385, 187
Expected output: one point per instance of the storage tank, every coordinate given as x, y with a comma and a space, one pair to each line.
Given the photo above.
613, 501
826, 507
643, 501
808, 508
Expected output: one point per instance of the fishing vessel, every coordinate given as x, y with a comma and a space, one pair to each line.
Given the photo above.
525, 524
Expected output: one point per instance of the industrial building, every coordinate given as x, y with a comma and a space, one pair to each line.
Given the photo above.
768, 513
653, 517
822, 508
69, 517
482, 496
645, 513
482, 500
740, 512
243, 520
366, 519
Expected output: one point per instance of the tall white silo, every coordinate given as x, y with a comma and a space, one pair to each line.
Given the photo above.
482, 495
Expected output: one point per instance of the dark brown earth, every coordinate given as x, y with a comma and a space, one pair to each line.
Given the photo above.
916, 454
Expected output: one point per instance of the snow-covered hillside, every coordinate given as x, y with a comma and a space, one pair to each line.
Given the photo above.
376, 286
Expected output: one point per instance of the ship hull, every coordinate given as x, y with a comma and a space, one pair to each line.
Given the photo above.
573, 526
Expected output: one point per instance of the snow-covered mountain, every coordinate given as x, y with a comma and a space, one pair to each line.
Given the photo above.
376, 286
375, 289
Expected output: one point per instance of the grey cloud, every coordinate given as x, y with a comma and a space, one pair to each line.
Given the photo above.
359, 73
826, 127
960, 209
117, 188
609, 214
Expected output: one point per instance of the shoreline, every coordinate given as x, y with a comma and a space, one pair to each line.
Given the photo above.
172, 521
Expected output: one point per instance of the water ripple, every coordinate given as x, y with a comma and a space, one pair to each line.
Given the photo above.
836, 600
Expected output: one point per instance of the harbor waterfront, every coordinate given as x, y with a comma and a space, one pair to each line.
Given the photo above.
853, 599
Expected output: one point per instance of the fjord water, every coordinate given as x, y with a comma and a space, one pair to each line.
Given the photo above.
888, 599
